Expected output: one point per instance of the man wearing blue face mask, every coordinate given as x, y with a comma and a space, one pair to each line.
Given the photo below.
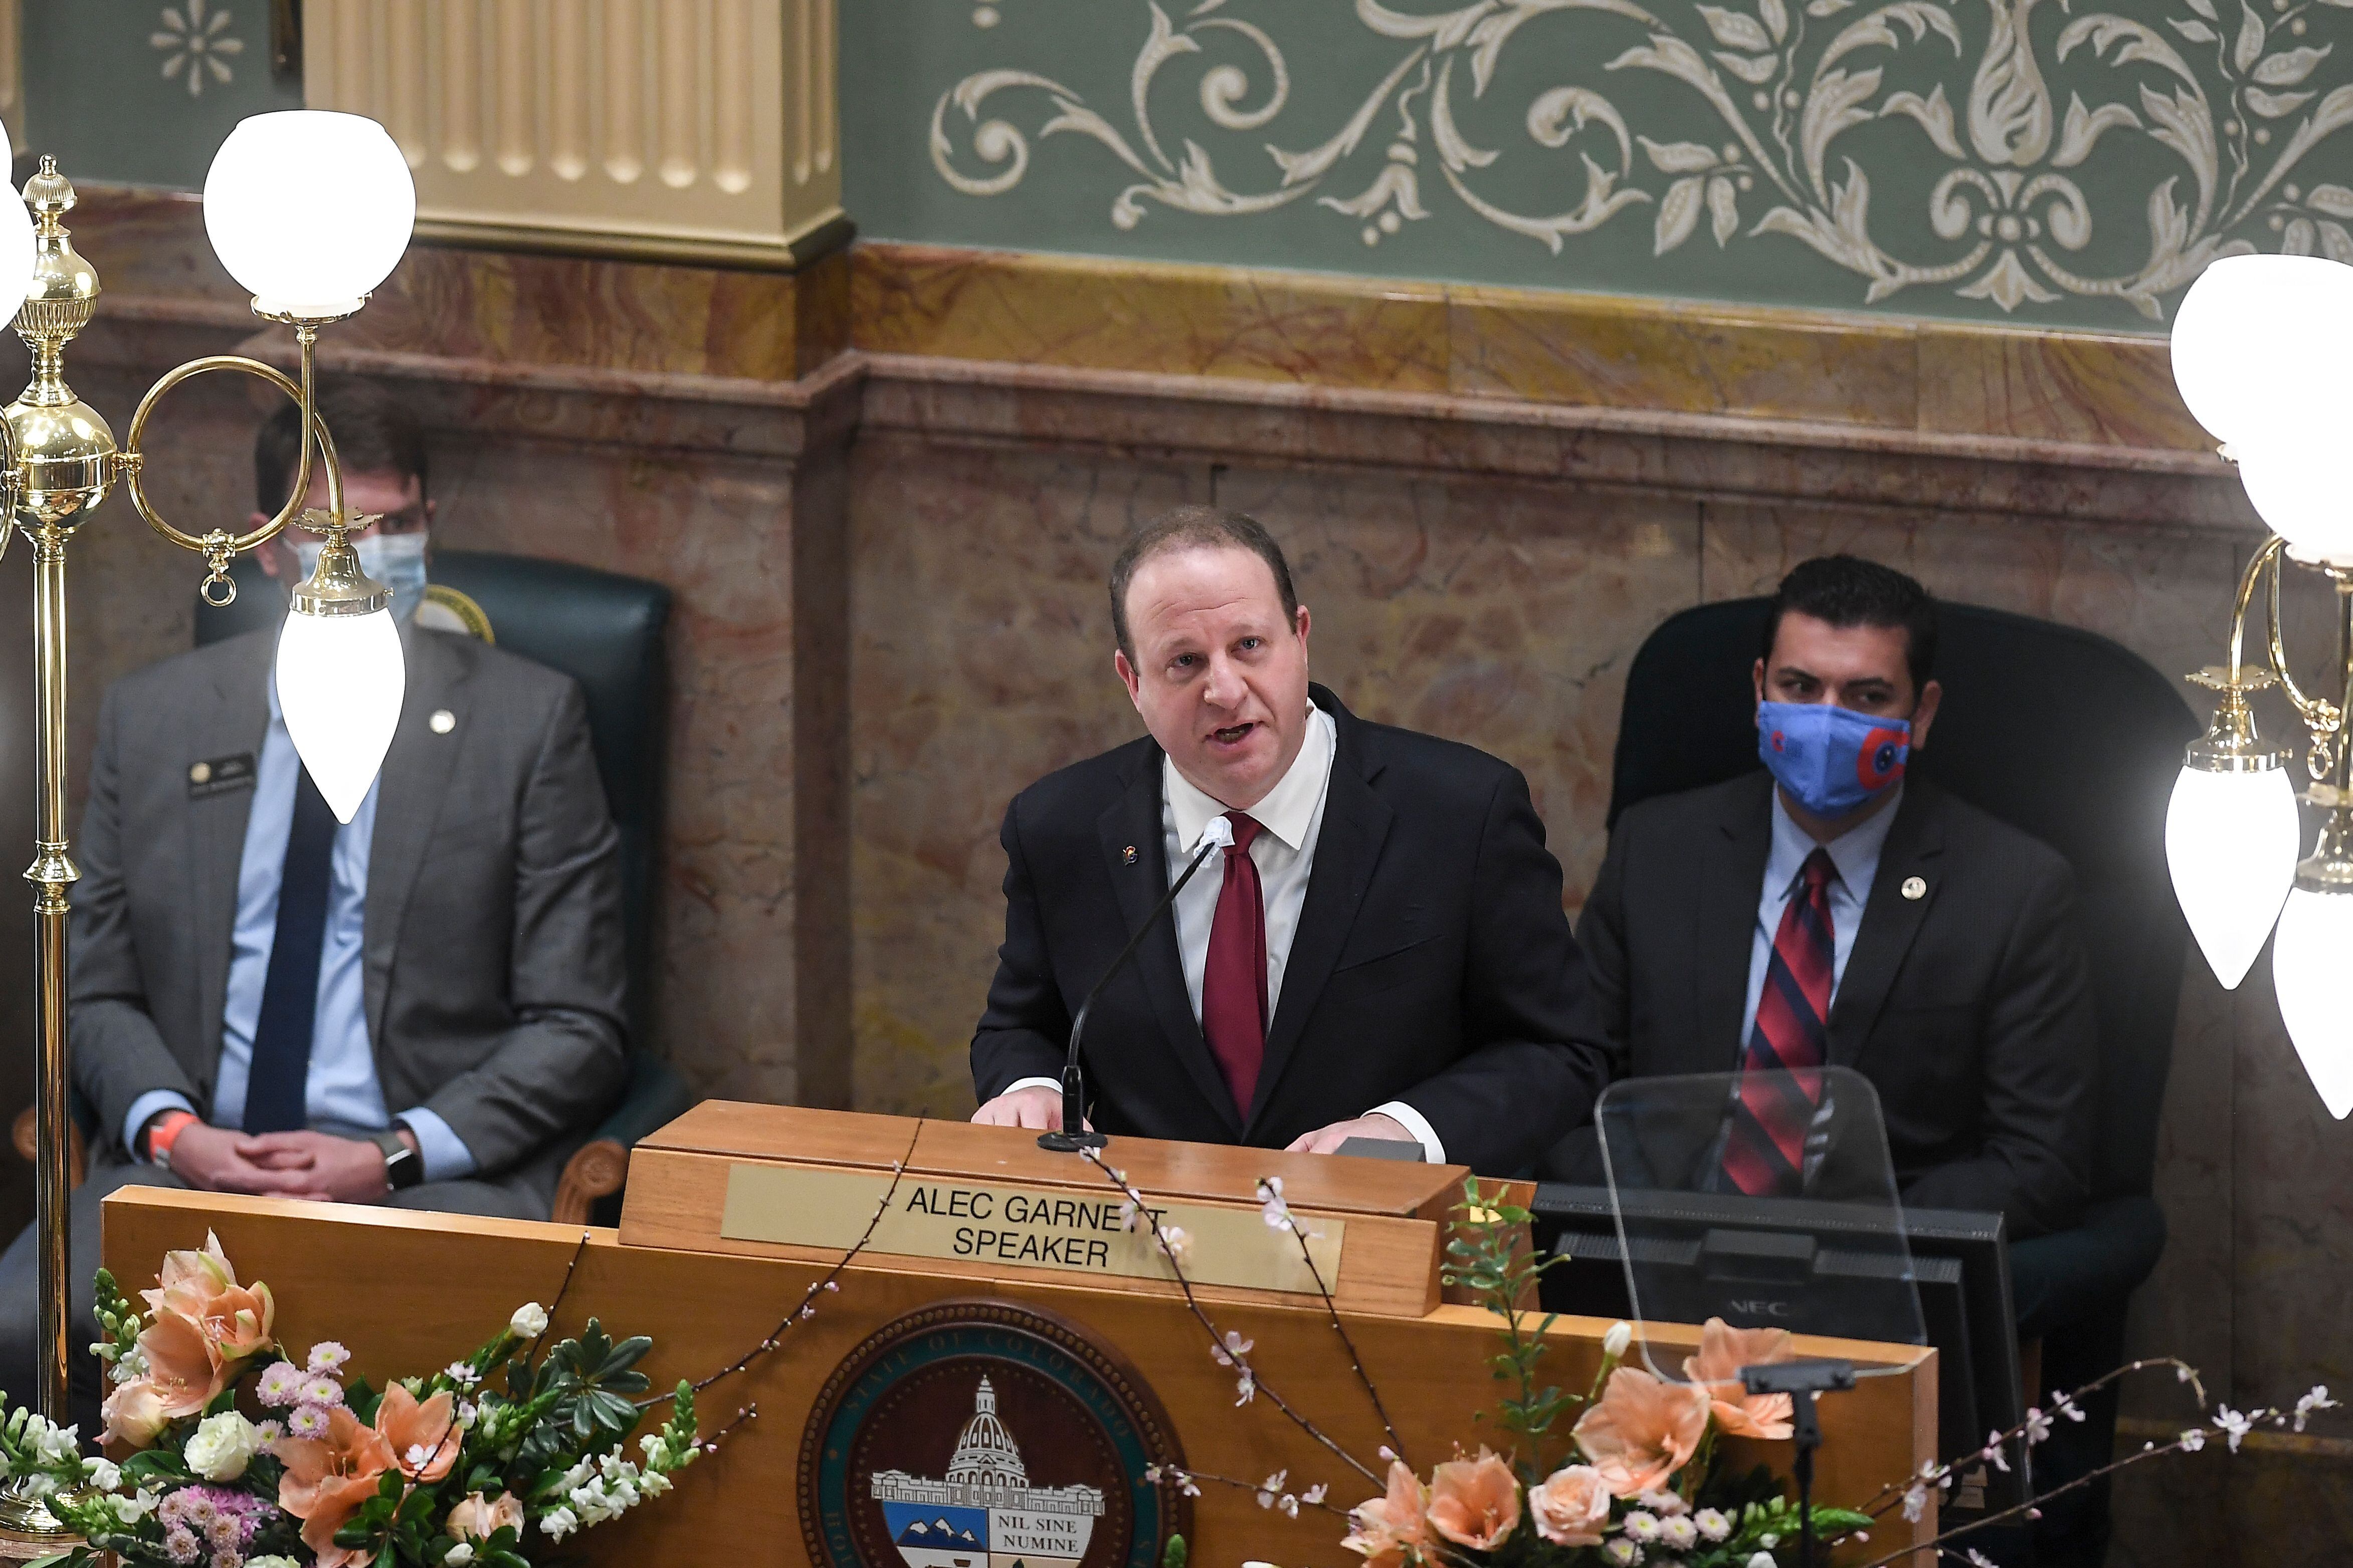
1829, 911
421, 1007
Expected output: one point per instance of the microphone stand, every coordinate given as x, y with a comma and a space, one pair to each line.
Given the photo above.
1801, 1381
1074, 1135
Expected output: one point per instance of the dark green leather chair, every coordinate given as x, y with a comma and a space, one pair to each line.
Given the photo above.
2077, 741
607, 632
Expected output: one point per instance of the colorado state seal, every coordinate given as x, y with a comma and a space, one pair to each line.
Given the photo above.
986, 1433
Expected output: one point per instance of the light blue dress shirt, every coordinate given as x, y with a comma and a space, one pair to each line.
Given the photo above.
1854, 853
342, 1093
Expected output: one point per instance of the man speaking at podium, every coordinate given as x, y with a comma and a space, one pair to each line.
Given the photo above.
1381, 955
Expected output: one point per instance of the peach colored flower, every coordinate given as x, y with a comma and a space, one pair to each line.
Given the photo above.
1642, 1431
135, 1413
418, 1435
232, 1324
474, 1520
181, 1364
326, 1480
1474, 1502
1571, 1505
1723, 1352
1392, 1531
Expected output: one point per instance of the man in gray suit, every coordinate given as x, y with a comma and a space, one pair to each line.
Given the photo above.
421, 1007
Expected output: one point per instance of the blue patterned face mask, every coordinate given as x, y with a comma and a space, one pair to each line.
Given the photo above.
394, 560
1831, 759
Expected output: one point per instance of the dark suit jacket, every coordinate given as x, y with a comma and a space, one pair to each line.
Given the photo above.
491, 959
1433, 962
1970, 1009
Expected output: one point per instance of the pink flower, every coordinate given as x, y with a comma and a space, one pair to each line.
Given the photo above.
233, 1323
326, 1480
281, 1384
1474, 1502
474, 1520
1571, 1507
135, 1413
418, 1434
1391, 1530
1642, 1431
1723, 1352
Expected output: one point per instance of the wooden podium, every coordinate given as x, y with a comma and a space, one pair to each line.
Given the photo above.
996, 1354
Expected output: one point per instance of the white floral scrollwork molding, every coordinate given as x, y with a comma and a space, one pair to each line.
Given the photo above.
2232, 94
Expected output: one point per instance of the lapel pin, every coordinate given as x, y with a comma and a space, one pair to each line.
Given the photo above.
1127, 856
202, 772
443, 721
1915, 888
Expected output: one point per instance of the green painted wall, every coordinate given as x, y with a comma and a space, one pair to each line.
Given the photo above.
143, 91
2031, 161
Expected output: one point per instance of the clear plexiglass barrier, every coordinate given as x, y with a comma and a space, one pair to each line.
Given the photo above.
1765, 1199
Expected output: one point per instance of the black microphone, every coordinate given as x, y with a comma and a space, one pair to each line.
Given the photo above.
1218, 835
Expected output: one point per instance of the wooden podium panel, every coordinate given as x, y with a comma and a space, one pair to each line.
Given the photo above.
411, 1291
1394, 1214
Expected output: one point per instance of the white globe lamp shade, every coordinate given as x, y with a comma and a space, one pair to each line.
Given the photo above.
2302, 486
2232, 840
16, 245
2308, 965
2257, 342
340, 682
309, 210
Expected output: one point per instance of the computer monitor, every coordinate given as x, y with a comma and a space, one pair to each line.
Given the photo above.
1958, 1261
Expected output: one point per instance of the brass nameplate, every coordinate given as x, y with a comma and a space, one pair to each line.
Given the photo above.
1032, 1228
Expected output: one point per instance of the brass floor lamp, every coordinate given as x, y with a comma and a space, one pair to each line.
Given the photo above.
309, 211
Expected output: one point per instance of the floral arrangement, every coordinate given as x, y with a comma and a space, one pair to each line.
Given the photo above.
1644, 1481
1647, 1481
244, 1456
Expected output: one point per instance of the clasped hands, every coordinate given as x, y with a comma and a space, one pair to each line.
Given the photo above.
1041, 1109
281, 1164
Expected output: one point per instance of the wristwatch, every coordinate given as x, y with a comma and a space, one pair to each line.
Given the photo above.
402, 1165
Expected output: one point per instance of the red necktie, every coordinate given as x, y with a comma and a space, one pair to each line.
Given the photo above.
1780, 1079
1233, 983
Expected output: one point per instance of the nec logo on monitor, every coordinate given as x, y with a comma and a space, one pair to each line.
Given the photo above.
1759, 1309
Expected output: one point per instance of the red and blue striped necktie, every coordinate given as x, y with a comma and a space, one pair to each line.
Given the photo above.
1780, 1076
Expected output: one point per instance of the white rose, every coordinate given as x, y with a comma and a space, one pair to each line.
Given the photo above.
222, 1447
529, 1321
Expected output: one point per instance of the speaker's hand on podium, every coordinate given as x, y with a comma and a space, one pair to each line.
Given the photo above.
1327, 1140
1036, 1108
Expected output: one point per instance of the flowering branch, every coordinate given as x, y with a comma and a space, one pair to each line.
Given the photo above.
1229, 1349
2231, 1426
1269, 1491
2037, 1427
805, 1308
1278, 1215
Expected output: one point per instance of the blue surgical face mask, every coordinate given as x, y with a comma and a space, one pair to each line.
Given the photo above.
394, 560
1831, 759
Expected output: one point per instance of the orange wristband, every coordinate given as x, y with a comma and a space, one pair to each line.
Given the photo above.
164, 1133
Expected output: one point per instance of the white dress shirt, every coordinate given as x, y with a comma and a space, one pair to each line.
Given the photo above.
1293, 816
1855, 856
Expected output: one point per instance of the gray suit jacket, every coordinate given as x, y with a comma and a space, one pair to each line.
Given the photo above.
492, 954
